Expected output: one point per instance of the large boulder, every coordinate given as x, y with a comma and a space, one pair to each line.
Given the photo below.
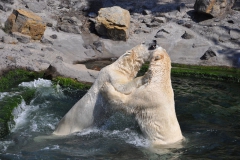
213, 7
26, 23
113, 22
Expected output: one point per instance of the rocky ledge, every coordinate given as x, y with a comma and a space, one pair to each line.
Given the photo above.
59, 36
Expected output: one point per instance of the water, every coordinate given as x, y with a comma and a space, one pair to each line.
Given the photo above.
208, 113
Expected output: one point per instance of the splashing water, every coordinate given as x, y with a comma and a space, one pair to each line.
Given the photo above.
208, 113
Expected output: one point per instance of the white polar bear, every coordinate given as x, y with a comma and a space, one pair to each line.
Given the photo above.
91, 109
152, 103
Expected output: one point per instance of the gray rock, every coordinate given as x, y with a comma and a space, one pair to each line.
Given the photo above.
46, 41
4, 8
160, 19
8, 1
70, 28
77, 71
153, 24
98, 46
70, 25
90, 53
49, 24
208, 54
72, 20
9, 40
236, 5
143, 29
161, 34
54, 36
1, 46
146, 12
235, 34
215, 8
47, 49
21, 37
2, 33
224, 38
182, 8
187, 36
26, 51
92, 14
36, 7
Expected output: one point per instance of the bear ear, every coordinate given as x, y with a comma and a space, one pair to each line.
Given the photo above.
159, 57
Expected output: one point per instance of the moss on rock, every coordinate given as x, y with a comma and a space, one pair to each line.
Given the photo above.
13, 77
7, 105
69, 82
207, 72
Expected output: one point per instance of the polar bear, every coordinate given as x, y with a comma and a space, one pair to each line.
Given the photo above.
152, 103
91, 109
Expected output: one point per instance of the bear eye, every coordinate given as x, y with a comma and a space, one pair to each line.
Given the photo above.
157, 58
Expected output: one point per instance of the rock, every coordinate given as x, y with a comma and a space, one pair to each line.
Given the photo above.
161, 33
2, 33
187, 36
224, 38
72, 20
160, 19
70, 25
1, 46
26, 51
36, 6
21, 37
9, 40
113, 22
215, 8
182, 8
188, 25
208, 54
47, 49
49, 24
146, 12
46, 41
98, 46
69, 28
236, 5
143, 29
90, 53
26, 23
54, 36
8, 1
4, 8
92, 15
11, 58
235, 34
153, 24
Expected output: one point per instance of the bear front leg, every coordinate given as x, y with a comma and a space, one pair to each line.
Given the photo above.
115, 98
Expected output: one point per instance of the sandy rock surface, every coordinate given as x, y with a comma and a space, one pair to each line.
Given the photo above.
71, 38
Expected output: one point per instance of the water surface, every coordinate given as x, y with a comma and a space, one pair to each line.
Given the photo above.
208, 113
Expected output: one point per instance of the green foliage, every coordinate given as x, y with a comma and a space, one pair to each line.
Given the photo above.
68, 82
7, 105
14, 77
207, 72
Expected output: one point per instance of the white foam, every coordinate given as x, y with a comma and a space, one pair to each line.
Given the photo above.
37, 83
4, 145
21, 113
131, 137
3, 94
54, 147
127, 135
